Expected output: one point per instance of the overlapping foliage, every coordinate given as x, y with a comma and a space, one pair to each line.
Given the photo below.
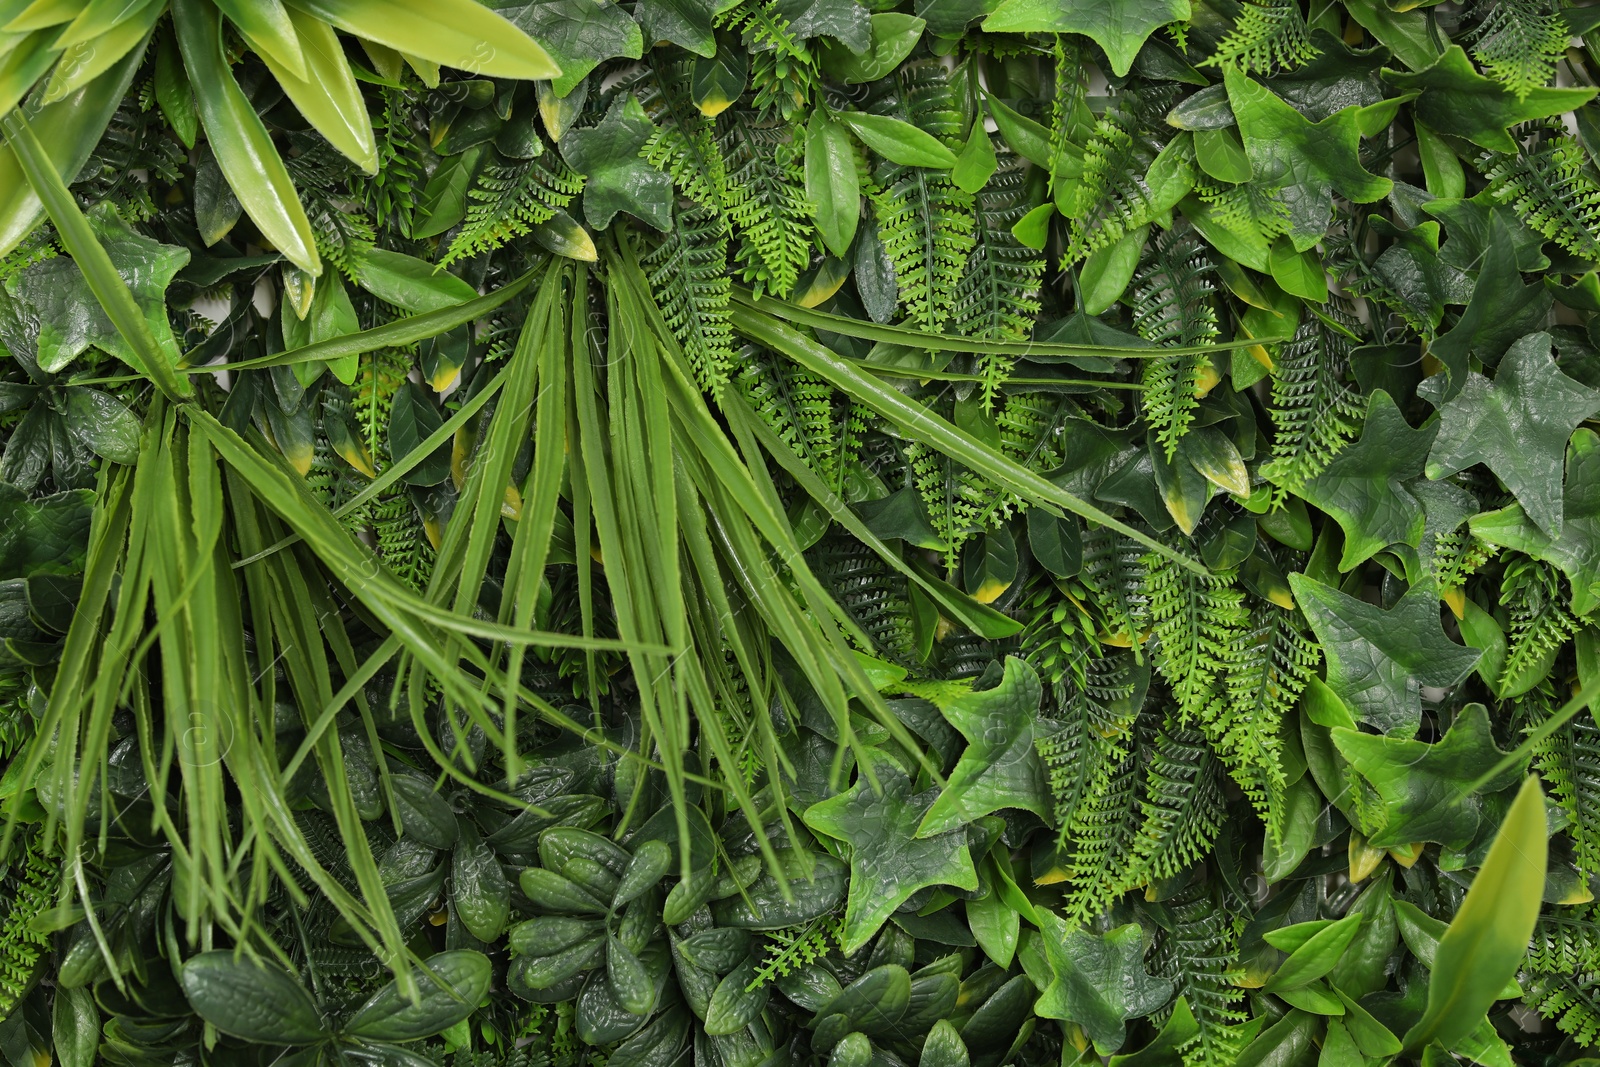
955, 532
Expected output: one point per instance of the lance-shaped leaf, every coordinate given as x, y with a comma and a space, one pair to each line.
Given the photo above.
1517, 426
1488, 937
1457, 100
1099, 980
618, 180
453, 33
1426, 789
1577, 550
888, 862
1379, 660
1364, 487
1305, 162
1118, 26
1001, 767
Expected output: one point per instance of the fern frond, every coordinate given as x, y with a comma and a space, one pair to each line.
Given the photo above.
689, 275
1111, 199
795, 946
29, 890
1113, 575
869, 592
1102, 834
1314, 413
796, 405
924, 221
1198, 621
998, 296
393, 190
509, 198
1458, 556
1268, 36
1541, 620
1268, 667
403, 542
1519, 44
1173, 306
766, 200
1182, 806
956, 499
1548, 184
1200, 954
684, 143
379, 377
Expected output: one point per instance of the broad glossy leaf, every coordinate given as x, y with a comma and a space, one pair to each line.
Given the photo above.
897, 141
1000, 767
894, 35
888, 862
1518, 426
1426, 789
410, 283
1100, 980
251, 1000
45, 535
579, 35
1488, 937
457, 981
454, 33
1118, 26
832, 184
1378, 659
1316, 956
607, 155
103, 424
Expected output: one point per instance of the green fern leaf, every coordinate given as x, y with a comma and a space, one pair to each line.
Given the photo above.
689, 275
1173, 306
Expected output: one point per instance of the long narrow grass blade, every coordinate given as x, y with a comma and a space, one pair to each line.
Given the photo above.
107, 285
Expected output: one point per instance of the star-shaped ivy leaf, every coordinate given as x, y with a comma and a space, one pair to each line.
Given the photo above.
1378, 661
1304, 162
578, 34
1577, 550
618, 179
1363, 488
683, 22
1426, 789
846, 21
1118, 26
54, 317
1000, 767
888, 862
1517, 426
1457, 100
1501, 310
1099, 980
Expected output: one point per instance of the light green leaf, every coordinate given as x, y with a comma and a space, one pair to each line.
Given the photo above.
1099, 980
897, 141
1118, 26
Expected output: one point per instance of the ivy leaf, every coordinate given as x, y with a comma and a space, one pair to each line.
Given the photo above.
578, 34
846, 21
1517, 426
1305, 162
1501, 310
1364, 489
618, 179
686, 23
1378, 661
1000, 767
1576, 551
46, 535
54, 316
888, 862
1099, 980
1426, 789
1118, 26
1457, 100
